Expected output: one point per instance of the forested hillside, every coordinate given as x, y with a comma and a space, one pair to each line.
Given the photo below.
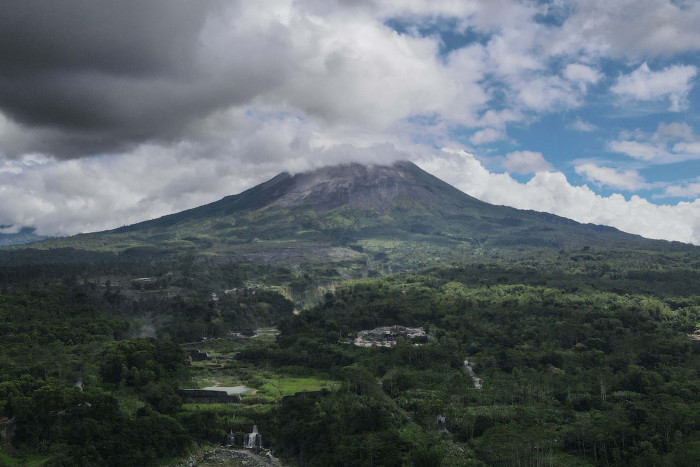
582, 358
569, 378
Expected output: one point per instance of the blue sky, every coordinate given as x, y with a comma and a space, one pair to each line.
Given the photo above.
618, 106
584, 108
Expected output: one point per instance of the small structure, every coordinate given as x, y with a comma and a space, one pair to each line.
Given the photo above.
386, 336
230, 390
253, 440
197, 355
243, 333
243, 290
143, 279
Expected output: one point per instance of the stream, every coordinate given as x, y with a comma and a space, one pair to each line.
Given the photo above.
477, 381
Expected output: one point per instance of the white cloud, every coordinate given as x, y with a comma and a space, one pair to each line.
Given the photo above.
686, 190
487, 135
677, 130
495, 122
580, 125
13, 229
68, 197
662, 146
354, 71
509, 53
546, 93
689, 148
338, 61
466, 69
674, 83
82, 195
622, 179
582, 75
639, 150
525, 162
628, 28
499, 118
99, 193
551, 192
679, 135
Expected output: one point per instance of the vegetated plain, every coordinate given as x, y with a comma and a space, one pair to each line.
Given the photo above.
585, 339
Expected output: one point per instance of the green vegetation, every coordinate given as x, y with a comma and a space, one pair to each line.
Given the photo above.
585, 357
61, 368
22, 460
569, 377
584, 340
286, 386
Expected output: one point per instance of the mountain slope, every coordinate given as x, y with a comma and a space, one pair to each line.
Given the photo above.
328, 188
338, 212
23, 236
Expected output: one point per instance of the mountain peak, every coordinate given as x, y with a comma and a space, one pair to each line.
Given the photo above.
413, 205
356, 185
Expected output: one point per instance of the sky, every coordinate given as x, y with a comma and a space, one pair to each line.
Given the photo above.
114, 112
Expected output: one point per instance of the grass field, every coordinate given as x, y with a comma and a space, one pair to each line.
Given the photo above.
284, 386
266, 385
24, 461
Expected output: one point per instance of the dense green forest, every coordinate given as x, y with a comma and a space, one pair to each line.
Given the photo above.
584, 358
78, 387
570, 378
64, 355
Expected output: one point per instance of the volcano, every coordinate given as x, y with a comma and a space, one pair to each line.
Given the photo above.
341, 210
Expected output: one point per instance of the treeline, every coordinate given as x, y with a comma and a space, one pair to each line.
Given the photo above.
620, 272
188, 320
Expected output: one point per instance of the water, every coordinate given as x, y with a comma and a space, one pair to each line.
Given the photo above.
252, 440
477, 381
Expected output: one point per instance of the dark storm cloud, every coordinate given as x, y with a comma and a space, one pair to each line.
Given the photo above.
89, 76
